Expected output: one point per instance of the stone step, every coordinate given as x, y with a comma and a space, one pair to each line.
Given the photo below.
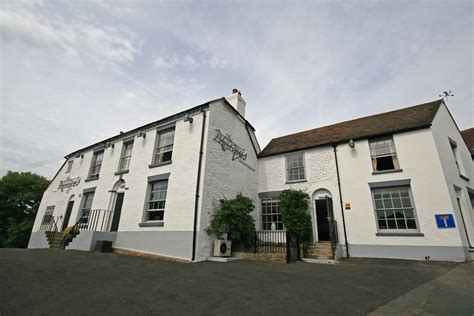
321, 257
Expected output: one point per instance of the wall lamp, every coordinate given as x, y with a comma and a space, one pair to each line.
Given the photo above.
109, 144
141, 134
352, 143
79, 155
188, 118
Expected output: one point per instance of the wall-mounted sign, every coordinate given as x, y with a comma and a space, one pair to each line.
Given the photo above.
226, 142
347, 206
69, 183
445, 221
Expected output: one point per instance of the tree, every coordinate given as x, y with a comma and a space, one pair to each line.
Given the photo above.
295, 213
20, 196
233, 215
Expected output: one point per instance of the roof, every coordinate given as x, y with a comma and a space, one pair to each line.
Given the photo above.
410, 118
468, 135
160, 122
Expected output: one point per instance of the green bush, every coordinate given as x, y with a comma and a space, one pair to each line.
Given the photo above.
295, 213
233, 215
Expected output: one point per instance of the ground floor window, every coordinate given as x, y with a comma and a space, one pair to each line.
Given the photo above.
48, 214
394, 209
271, 217
86, 207
157, 200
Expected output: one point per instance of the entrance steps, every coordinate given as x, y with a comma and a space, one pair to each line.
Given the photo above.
319, 251
54, 239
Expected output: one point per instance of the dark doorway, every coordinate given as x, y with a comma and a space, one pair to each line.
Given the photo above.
67, 216
117, 212
322, 212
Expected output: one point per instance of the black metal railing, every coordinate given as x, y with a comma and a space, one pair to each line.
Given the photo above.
49, 225
260, 242
95, 220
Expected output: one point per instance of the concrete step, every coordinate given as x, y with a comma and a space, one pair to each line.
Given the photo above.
320, 257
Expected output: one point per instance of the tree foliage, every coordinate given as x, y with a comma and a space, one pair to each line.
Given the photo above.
295, 213
20, 196
233, 215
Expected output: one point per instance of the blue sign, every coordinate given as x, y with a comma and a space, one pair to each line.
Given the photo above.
445, 220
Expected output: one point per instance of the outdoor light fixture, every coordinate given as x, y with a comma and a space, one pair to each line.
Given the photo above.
109, 144
187, 118
141, 134
352, 143
78, 155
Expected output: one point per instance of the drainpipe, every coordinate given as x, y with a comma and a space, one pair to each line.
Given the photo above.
198, 183
340, 199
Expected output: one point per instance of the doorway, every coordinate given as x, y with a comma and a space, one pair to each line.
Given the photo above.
67, 216
323, 213
117, 212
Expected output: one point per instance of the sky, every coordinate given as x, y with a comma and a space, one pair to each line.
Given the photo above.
73, 73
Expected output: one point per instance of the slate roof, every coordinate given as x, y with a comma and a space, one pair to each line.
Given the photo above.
468, 135
410, 118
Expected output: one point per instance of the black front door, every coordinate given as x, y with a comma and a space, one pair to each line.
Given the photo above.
117, 212
67, 216
322, 220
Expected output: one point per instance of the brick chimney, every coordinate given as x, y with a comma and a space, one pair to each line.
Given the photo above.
237, 101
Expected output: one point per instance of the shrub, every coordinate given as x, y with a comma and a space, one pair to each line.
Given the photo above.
295, 213
70, 233
233, 215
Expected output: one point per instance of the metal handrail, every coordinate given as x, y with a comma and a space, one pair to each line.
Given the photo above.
95, 220
49, 226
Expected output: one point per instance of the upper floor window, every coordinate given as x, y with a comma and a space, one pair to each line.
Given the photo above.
383, 154
96, 164
69, 165
454, 149
295, 167
126, 156
271, 217
164, 146
155, 209
394, 209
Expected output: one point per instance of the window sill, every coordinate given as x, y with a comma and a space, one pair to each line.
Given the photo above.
152, 224
91, 179
121, 172
464, 177
296, 181
387, 171
153, 165
401, 234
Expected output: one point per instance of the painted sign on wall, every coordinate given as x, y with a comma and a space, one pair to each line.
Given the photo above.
69, 183
226, 142
445, 221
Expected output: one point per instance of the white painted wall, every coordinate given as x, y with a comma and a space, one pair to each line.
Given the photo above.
320, 174
222, 176
444, 128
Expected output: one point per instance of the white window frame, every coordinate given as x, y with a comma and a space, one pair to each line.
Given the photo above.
394, 155
397, 231
94, 164
149, 200
457, 160
287, 169
69, 166
263, 222
124, 158
159, 147
49, 211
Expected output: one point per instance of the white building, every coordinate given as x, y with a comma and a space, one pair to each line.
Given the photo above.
397, 184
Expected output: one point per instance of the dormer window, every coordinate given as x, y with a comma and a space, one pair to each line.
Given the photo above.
383, 154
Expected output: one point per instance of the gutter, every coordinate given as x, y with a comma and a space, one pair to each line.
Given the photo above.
198, 183
340, 199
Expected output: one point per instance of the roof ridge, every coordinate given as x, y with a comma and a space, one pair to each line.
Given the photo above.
359, 118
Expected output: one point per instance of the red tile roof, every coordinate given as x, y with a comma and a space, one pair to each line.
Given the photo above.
468, 135
414, 117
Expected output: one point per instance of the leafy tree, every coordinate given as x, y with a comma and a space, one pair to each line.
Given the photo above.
20, 196
233, 215
295, 213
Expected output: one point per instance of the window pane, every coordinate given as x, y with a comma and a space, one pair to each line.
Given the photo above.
411, 224
382, 224
391, 224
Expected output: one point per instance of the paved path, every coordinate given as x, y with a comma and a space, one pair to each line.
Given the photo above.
74, 282
450, 294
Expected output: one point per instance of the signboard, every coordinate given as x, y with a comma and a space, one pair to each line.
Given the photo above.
445, 221
347, 206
